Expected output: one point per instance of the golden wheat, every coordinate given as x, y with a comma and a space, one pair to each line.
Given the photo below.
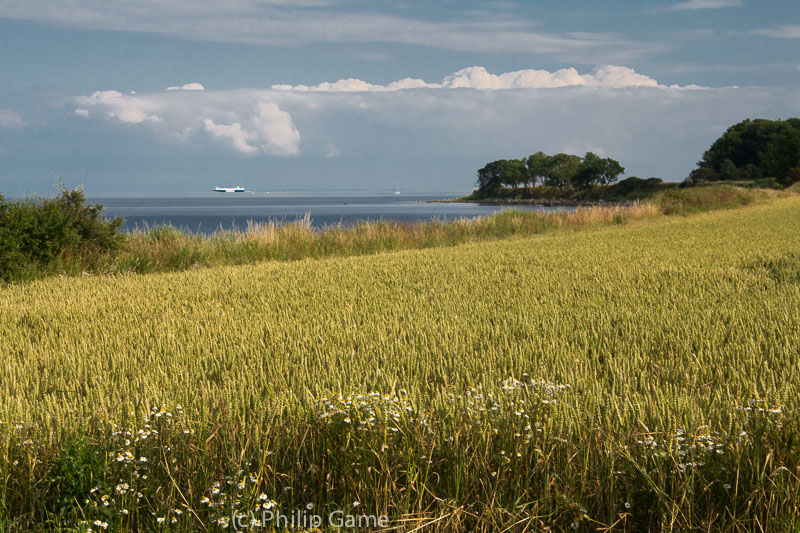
535, 368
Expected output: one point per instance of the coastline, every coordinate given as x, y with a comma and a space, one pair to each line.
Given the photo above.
531, 201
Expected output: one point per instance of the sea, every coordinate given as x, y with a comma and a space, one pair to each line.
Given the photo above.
207, 213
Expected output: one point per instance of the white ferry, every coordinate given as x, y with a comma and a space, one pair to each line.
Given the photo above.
229, 189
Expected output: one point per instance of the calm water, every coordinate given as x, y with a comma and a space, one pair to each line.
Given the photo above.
207, 213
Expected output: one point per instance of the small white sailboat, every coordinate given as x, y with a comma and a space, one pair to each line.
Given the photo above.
397, 188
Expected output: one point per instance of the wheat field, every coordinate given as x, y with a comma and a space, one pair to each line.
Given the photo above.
643, 375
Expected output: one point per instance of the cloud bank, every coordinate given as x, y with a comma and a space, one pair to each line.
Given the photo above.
407, 128
607, 76
256, 122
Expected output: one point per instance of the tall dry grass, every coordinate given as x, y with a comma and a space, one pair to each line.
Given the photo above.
167, 249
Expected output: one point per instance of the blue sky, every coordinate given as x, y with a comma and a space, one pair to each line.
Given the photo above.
430, 91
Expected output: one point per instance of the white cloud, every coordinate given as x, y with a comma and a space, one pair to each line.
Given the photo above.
617, 77
187, 87
704, 4
608, 76
125, 108
780, 32
275, 131
270, 130
252, 121
10, 119
348, 85
232, 132
479, 78
652, 129
247, 124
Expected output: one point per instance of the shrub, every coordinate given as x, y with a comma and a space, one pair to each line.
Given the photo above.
45, 234
707, 197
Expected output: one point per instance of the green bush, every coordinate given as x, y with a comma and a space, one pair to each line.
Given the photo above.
44, 234
766, 183
706, 197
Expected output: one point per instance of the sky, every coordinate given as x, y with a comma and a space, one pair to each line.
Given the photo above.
168, 96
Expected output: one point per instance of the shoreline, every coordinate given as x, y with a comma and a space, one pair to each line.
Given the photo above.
539, 202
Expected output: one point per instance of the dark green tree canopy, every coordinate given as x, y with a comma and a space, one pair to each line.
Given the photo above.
559, 170
502, 173
562, 170
753, 149
595, 170
537, 165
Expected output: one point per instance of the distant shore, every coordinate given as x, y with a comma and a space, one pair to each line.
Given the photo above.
625, 192
529, 201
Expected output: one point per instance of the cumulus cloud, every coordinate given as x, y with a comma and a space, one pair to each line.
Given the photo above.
231, 132
271, 131
704, 4
187, 87
275, 131
250, 125
125, 108
465, 119
607, 76
263, 121
780, 32
10, 119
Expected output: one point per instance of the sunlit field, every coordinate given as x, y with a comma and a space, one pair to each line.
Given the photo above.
643, 375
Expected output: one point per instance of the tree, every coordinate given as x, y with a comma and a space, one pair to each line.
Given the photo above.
500, 173
755, 149
561, 170
513, 173
595, 170
489, 176
793, 176
699, 175
728, 171
611, 171
537, 165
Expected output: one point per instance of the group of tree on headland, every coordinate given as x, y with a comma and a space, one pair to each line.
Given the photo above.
560, 170
561, 177
756, 153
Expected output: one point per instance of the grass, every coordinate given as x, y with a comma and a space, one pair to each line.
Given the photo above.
634, 376
167, 249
